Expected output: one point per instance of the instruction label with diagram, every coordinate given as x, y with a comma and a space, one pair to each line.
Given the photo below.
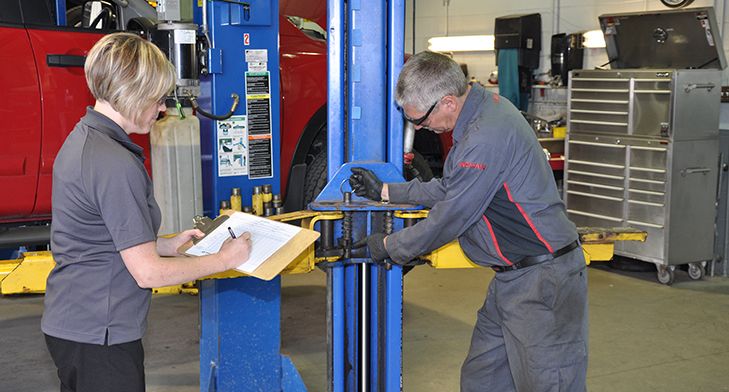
232, 146
258, 108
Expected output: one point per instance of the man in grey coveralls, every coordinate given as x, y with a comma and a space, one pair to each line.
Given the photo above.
498, 198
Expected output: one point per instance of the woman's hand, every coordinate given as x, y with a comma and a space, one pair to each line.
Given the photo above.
235, 251
168, 246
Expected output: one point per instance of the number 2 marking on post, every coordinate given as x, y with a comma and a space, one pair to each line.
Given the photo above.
246, 39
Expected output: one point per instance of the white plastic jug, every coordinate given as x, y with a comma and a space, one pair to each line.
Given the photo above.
176, 169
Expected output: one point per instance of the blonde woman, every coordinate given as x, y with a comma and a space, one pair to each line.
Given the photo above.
105, 221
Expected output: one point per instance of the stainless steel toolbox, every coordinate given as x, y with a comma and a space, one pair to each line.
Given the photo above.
642, 148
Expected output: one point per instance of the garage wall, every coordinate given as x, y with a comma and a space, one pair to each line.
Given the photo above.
471, 17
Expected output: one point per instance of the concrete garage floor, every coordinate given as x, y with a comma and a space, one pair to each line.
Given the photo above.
644, 336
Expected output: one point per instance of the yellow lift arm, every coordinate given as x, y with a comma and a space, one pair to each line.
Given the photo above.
598, 244
28, 274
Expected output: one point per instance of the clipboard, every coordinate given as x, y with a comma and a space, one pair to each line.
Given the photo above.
272, 265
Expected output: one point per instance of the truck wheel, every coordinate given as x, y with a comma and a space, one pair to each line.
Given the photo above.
74, 16
316, 168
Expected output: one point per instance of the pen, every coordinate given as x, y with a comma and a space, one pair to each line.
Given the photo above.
232, 233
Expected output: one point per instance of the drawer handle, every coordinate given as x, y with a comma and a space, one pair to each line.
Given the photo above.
584, 173
643, 148
694, 86
646, 203
594, 195
648, 181
588, 163
618, 102
612, 188
694, 170
596, 144
615, 124
591, 215
646, 224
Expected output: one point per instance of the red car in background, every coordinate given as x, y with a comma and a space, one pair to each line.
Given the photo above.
45, 94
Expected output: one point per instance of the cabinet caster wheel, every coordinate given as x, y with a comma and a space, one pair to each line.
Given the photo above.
696, 271
665, 275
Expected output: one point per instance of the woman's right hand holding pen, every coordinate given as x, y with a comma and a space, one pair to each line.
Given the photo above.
235, 251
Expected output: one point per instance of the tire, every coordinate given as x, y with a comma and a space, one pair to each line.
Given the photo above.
74, 16
316, 168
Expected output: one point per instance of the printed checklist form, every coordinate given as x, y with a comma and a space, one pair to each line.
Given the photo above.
274, 244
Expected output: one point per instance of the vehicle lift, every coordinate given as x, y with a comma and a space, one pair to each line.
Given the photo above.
240, 318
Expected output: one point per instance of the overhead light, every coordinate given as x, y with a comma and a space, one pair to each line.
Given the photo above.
593, 39
463, 43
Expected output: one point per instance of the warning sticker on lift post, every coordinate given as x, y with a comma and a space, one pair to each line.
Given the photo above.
232, 147
258, 108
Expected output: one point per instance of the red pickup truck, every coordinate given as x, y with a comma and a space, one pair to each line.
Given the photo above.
45, 94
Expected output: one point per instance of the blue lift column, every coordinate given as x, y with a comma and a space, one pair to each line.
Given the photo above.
240, 319
364, 129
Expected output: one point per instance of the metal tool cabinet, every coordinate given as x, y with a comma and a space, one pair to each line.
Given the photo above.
642, 148
643, 152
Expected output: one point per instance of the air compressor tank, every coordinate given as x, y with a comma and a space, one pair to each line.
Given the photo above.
176, 169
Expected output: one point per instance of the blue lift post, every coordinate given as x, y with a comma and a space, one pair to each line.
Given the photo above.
365, 56
240, 319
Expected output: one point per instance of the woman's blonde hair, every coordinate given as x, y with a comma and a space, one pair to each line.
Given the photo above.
128, 72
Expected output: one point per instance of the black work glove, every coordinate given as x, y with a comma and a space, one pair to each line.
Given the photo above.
376, 244
365, 183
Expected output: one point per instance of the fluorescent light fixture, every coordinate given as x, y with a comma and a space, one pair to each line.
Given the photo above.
464, 43
593, 39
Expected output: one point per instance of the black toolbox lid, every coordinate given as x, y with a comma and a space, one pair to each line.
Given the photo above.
680, 39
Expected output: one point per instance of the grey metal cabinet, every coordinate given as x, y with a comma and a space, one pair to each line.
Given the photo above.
642, 147
642, 151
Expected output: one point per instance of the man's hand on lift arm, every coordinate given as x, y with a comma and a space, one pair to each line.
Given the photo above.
376, 244
365, 183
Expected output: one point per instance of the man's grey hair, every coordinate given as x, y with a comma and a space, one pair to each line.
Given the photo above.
426, 78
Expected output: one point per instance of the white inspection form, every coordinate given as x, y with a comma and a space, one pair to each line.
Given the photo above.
267, 237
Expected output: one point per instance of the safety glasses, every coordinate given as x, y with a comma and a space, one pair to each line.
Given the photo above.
420, 120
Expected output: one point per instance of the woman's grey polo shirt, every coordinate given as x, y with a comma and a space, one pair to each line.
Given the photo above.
103, 202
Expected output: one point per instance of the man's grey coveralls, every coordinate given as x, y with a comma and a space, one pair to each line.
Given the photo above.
498, 197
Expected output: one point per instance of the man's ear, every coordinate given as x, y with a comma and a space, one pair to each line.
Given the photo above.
450, 102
